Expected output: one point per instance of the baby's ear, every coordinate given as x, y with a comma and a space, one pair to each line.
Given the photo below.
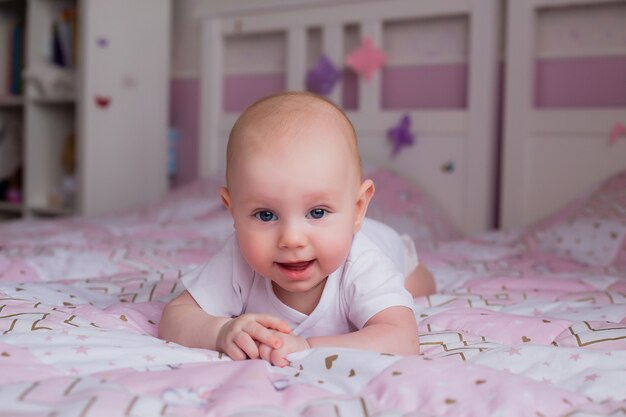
225, 195
366, 192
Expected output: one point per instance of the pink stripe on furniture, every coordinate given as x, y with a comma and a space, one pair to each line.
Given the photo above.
581, 82
424, 87
350, 90
565, 83
242, 90
436, 86
589, 82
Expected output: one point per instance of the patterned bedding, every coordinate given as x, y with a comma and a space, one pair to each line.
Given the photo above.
526, 322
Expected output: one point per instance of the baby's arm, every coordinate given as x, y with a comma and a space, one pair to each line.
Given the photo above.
184, 322
420, 282
393, 330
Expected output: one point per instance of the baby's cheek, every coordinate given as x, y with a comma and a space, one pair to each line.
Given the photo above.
255, 250
333, 253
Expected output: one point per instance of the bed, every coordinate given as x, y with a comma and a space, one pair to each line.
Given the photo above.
526, 321
518, 327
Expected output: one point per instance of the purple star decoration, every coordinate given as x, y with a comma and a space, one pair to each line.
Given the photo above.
102, 42
323, 77
400, 135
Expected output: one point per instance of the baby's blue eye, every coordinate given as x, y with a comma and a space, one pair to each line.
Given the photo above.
265, 216
317, 213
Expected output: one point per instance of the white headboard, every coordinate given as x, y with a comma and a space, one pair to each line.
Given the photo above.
550, 155
454, 160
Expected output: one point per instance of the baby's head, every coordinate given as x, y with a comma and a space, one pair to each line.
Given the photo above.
280, 121
294, 189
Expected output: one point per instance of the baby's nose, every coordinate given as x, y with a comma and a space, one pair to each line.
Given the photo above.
292, 236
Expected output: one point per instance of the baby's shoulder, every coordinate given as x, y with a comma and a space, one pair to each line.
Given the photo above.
373, 238
362, 244
365, 253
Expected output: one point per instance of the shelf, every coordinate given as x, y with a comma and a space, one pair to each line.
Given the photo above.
11, 101
53, 101
51, 211
5, 206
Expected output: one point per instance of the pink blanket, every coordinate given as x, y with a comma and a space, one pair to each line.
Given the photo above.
525, 323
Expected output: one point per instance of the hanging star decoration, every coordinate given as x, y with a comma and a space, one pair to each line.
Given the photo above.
617, 131
400, 135
366, 59
128, 81
323, 77
102, 42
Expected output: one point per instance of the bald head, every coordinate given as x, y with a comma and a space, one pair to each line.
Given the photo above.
284, 119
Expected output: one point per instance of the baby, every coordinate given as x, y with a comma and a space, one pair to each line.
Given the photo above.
304, 268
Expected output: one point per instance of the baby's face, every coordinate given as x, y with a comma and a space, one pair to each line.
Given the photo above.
295, 204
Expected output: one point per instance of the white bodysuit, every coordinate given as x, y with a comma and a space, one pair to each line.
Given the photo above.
370, 280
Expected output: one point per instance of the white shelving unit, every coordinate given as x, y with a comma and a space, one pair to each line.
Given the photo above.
118, 109
11, 106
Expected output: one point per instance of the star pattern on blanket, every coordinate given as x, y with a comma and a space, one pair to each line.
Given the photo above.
496, 299
513, 351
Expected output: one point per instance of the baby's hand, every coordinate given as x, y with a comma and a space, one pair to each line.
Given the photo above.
239, 338
278, 355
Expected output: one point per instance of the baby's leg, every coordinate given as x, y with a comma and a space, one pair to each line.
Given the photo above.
420, 282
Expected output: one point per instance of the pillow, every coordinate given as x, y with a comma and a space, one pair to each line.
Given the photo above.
402, 205
591, 229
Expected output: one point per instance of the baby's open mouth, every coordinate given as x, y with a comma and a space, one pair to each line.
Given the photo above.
295, 266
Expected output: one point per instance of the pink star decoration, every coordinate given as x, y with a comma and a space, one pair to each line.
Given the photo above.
591, 377
618, 130
366, 59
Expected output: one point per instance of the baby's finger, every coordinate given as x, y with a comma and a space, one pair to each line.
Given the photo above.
234, 352
247, 345
263, 335
265, 352
272, 322
278, 359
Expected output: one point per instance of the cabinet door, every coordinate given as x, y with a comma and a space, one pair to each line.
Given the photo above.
123, 104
